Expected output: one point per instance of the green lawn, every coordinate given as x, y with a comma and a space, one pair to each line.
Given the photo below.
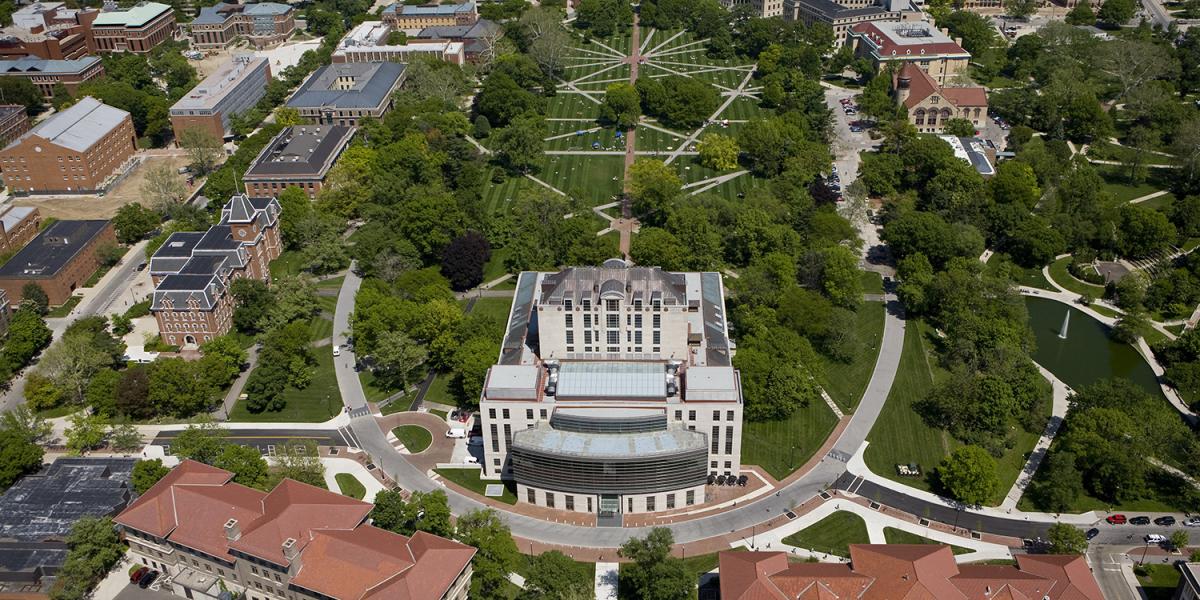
831, 535
350, 486
900, 435
496, 308
65, 308
320, 328
1158, 581
469, 479
441, 414
377, 392
414, 437
318, 402
846, 381
872, 282
1001, 265
440, 391
898, 536
1058, 272
331, 284
95, 278
495, 269
1164, 493
781, 447
595, 179
1117, 183
287, 265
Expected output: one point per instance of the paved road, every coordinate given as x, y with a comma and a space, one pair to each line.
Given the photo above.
262, 438
344, 365
96, 301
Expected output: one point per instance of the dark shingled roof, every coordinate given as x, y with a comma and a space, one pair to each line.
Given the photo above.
54, 248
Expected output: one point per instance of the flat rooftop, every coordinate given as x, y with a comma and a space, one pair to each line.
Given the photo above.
612, 380
52, 250
135, 16
208, 93
972, 152
430, 9
45, 505
348, 85
79, 127
673, 440
300, 150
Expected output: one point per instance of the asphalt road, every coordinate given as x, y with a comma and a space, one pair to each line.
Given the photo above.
266, 439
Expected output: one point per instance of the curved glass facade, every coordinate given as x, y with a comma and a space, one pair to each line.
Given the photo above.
565, 421
661, 472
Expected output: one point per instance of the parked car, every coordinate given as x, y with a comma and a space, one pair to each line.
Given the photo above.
137, 575
456, 433
147, 579
1192, 522
337, 350
1142, 520
464, 416
1093, 532
1117, 519
855, 129
1166, 521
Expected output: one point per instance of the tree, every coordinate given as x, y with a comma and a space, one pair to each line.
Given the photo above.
657, 247
463, 260
840, 278
654, 574
1116, 13
18, 456
203, 149
27, 335
960, 127
201, 441
1179, 540
1143, 232
621, 107
1082, 14
969, 475
1020, 9
496, 554
33, 293
1059, 483
163, 187
519, 145
286, 116
95, 547
72, 362
719, 152
246, 464
549, 42
653, 185
554, 576
176, 388
298, 460
125, 438
397, 358
146, 473
85, 433
253, 299
424, 511
1067, 539
471, 361
132, 395
133, 221
25, 424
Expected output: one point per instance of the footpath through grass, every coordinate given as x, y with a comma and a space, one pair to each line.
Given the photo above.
1060, 275
350, 486
831, 535
414, 437
846, 381
319, 401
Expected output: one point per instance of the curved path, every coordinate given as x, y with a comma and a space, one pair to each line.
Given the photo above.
753, 514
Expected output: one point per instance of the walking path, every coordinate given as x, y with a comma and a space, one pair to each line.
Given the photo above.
606, 581
691, 139
235, 390
1149, 196
1057, 414
335, 466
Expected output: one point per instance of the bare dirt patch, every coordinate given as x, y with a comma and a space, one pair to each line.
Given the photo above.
95, 207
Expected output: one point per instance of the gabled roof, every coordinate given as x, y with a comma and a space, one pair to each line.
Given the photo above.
79, 127
1074, 577
922, 86
294, 510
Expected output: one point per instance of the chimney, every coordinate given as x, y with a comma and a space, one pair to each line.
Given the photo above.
290, 551
232, 530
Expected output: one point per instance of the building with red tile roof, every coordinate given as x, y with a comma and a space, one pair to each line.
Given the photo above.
904, 572
930, 105
207, 534
917, 42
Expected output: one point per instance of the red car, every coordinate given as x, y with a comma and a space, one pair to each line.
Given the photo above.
1117, 519
137, 575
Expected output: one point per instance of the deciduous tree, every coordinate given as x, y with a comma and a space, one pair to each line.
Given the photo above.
203, 149
969, 475
719, 152
146, 473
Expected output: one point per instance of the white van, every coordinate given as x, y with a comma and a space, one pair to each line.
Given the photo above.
456, 433
1155, 538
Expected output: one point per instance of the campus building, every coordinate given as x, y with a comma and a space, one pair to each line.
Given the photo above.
39, 510
13, 122
46, 73
48, 30
841, 15
139, 28
478, 40
261, 23
888, 571
409, 17
299, 156
18, 225
916, 42
614, 391
60, 259
233, 88
207, 534
74, 151
930, 105
343, 94
193, 270
367, 43
1189, 582
761, 8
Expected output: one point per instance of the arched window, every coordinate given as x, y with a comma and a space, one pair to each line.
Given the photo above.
920, 116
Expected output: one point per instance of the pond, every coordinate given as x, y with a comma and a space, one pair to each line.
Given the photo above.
1087, 355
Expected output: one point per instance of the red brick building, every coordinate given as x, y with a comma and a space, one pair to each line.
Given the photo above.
193, 270
891, 571
13, 122
208, 534
18, 225
137, 29
73, 151
61, 258
262, 23
46, 73
299, 156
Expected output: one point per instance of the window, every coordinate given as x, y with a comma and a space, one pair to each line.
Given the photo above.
614, 337
716, 415
570, 320
491, 413
570, 502
656, 321
630, 505
650, 504
586, 303
495, 439
691, 497
691, 415
716, 435
549, 499
504, 412
670, 501
587, 336
589, 503
529, 414
637, 336
713, 464
612, 321
729, 415
729, 440
611, 305
587, 321
679, 415
543, 413
637, 320
728, 465
570, 337
530, 496
656, 338
567, 304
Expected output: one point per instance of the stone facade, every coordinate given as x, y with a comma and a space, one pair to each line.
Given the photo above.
139, 29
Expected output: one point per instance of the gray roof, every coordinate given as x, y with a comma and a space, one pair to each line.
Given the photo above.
373, 83
54, 248
301, 150
599, 445
135, 16
624, 380
44, 506
215, 14
80, 126
267, 9
227, 77
479, 29
30, 64
14, 215
833, 10
647, 283
430, 9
